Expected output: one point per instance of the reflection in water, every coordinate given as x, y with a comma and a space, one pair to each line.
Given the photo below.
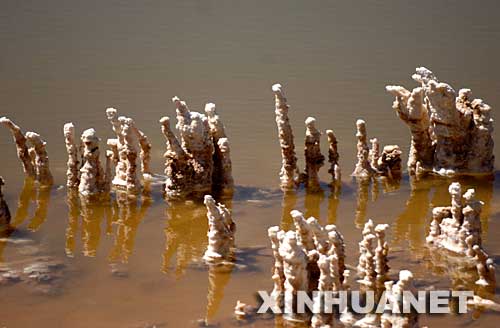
333, 202
288, 204
27, 195
218, 278
312, 203
363, 190
363, 186
32, 192
410, 225
129, 218
42, 205
186, 235
73, 202
122, 212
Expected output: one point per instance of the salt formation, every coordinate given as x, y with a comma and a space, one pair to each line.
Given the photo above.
196, 141
92, 176
394, 291
451, 133
176, 167
373, 262
276, 237
198, 162
363, 167
310, 258
312, 153
34, 159
221, 230
4, 209
294, 263
84, 170
370, 162
333, 157
288, 173
40, 158
457, 228
222, 173
22, 149
72, 173
130, 145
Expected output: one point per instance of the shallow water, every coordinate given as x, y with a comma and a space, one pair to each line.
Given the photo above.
129, 264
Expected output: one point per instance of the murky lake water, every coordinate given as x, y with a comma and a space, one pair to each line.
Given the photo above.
127, 264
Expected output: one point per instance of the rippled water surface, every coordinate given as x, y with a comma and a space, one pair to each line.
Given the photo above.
124, 263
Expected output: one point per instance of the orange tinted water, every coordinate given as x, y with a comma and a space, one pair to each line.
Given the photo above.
130, 265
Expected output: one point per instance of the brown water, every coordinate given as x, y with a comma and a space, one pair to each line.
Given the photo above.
130, 265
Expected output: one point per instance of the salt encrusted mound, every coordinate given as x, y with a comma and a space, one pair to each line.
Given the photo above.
4, 208
370, 162
221, 230
457, 228
451, 133
199, 161
130, 145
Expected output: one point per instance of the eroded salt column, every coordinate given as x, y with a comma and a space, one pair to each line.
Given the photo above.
276, 236
4, 208
337, 248
312, 153
130, 150
333, 157
196, 141
325, 284
363, 167
117, 145
294, 264
389, 163
395, 291
221, 230
381, 253
222, 173
226, 183
21, 146
145, 153
91, 173
108, 172
288, 173
451, 133
485, 267
178, 183
73, 170
304, 232
41, 158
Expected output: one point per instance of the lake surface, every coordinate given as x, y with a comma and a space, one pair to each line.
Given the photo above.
67, 61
